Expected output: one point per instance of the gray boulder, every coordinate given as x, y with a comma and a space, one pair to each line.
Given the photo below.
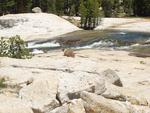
36, 10
111, 76
41, 94
62, 109
98, 104
71, 84
75, 106
124, 94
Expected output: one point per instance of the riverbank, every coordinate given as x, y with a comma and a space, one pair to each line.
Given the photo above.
126, 24
45, 26
132, 24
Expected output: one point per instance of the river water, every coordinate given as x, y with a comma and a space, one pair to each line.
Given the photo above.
108, 39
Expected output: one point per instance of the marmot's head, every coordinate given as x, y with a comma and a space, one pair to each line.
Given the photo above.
63, 49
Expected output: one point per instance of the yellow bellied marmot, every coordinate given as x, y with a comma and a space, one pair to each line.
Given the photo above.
69, 52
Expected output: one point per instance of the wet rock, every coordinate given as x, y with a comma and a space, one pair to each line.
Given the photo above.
36, 10
41, 94
111, 76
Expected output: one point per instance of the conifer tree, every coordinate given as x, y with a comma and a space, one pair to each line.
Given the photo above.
128, 7
96, 14
83, 13
6, 6
89, 11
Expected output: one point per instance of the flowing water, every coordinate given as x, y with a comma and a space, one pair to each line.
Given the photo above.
108, 39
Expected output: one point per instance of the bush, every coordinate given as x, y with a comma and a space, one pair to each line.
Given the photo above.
14, 47
2, 83
3, 47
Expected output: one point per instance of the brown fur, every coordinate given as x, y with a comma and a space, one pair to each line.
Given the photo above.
69, 53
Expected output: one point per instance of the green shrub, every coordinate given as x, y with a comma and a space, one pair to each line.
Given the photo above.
142, 62
2, 83
3, 47
14, 47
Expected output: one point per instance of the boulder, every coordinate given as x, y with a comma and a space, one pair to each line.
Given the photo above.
71, 84
13, 105
98, 104
114, 92
111, 76
36, 10
137, 100
62, 109
41, 94
75, 106
124, 94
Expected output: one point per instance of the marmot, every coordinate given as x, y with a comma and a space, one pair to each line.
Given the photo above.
69, 52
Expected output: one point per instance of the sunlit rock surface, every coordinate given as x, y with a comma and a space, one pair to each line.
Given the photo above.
34, 26
50, 82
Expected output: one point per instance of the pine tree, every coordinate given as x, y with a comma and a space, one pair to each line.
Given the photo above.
89, 11
83, 13
60, 7
51, 6
107, 7
77, 5
142, 7
96, 14
29, 5
6, 6
128, 7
